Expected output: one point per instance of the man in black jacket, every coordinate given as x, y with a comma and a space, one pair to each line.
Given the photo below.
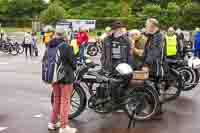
117, 47
154, 52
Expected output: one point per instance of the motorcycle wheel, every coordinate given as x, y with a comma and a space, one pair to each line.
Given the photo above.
13, 50
149, 106
78, 101
189, 76
92, 50
20, 49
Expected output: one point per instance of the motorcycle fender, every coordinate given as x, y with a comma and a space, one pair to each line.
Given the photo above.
194, 63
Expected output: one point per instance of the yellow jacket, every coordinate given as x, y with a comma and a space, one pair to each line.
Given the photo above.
75, 46
171, 45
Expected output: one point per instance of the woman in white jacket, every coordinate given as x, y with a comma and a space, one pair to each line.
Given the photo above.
28, 43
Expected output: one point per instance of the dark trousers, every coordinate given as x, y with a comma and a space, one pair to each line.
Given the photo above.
81, 53
28, 46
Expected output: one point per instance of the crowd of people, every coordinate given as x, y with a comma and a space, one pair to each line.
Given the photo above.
144, 49
29, 42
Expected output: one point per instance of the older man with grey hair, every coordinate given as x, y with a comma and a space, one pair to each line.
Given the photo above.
153, 52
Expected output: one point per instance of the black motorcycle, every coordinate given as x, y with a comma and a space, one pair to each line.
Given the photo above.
109, 92
170, 85
189, 74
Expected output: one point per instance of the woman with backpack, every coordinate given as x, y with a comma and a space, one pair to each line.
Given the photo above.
58, 70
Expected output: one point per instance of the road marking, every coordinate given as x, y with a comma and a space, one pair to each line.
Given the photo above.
38, 116
3, 128
4, 63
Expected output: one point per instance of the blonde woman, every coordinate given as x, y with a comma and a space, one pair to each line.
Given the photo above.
138, 42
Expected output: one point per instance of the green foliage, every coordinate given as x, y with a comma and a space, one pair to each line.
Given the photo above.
152, 10
3, 6
181, 13
190, 18
53, 13
88, 10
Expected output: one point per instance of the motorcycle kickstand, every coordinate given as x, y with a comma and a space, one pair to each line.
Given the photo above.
132, 120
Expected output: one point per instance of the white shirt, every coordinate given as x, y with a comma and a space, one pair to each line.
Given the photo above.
27, 38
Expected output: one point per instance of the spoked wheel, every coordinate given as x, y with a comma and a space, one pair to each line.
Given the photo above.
189, 77
20, 49
92, 50
149, 103
13, 50
171, 90
78, 101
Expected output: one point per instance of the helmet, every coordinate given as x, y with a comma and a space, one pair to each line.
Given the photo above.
124, 69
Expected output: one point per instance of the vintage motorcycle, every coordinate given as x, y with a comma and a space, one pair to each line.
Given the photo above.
109, 92
170, 85
189, 74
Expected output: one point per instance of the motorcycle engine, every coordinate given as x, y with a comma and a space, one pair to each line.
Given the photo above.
100, 102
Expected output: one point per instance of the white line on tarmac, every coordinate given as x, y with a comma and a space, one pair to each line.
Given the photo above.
4, 63
3, 128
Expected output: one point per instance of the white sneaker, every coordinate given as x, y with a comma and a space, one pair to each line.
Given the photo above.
58, 124
51, 126
68, 130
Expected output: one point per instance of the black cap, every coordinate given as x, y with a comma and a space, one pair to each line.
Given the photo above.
117, 24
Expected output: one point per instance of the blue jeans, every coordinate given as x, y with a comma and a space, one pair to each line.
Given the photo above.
81, 53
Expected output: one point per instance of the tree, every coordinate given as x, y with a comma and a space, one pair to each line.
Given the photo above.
190, 17
52, 14
125, 7
25, 8
3, 6
182, 3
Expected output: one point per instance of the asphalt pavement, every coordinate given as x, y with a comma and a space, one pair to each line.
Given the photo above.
25, 105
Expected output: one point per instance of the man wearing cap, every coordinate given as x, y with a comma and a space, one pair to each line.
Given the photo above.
116, 50
116, 47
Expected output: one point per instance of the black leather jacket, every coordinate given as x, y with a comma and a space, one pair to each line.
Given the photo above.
154, 49
67, 58
107, 59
